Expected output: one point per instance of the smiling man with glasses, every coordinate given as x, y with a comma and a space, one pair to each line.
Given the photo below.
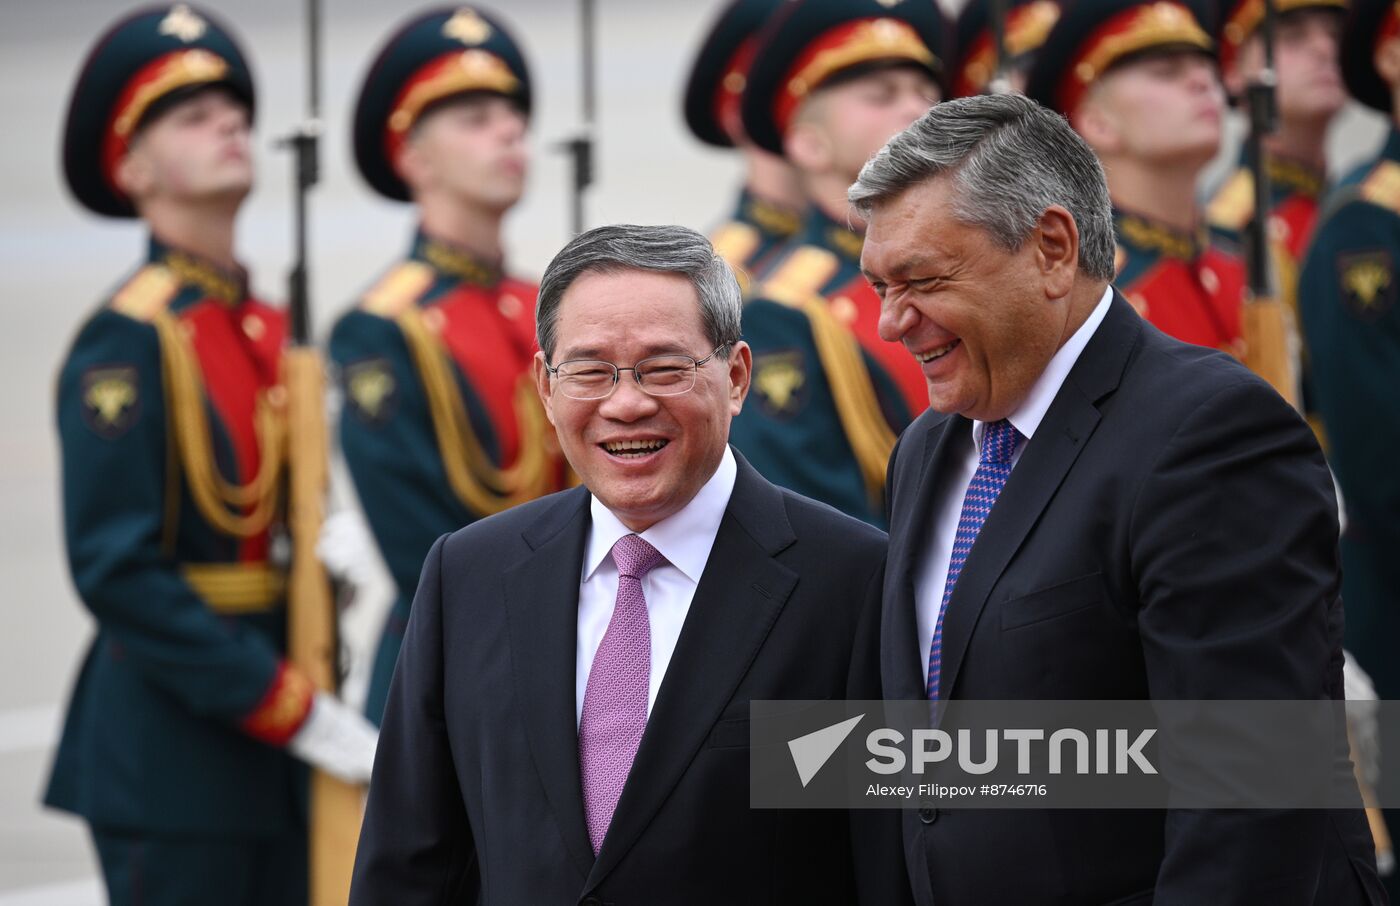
569, 719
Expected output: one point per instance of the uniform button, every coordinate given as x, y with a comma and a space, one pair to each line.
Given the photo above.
928, 815
434, 319
509, 306
844, 309
254, 327
1210, 281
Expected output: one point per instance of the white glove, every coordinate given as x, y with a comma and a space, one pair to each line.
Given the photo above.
1363, 717
336, 739
346, 547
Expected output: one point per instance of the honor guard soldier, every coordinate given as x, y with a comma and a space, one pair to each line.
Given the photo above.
1351, 329
770, 206
832, 81
1028, 22
441, 423
1309, 95
1138, 80
176, 745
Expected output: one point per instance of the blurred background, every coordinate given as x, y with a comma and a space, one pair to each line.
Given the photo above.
57, 263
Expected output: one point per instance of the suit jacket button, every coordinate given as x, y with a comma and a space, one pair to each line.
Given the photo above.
928, 815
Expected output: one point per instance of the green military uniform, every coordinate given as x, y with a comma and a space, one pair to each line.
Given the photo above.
756, 233
828, 397
442, 423
757, 227
1348, 294
1351, 325
171, 425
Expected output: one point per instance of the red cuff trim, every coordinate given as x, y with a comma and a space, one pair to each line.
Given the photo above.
283, 709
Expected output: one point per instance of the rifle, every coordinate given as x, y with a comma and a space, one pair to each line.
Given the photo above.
1264, 322
1001, 76
336, 809
580, 146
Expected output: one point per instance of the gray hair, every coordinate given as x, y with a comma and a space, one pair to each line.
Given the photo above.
625, 246
1009, 159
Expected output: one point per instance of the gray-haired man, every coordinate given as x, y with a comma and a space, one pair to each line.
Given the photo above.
568, 722
1134, 518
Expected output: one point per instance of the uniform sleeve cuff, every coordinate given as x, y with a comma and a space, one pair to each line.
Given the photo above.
283, 709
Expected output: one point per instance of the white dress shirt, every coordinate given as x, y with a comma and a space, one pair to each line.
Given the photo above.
684, 539
932, 572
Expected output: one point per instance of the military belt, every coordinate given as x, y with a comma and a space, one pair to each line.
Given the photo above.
237, 588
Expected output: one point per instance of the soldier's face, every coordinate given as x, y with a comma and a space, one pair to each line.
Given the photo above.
840, 127
982, 322
1310, 88
622, 318
471, 151
197, 151
1164, 108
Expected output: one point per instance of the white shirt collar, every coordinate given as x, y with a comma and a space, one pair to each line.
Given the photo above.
684, 538
1031, 412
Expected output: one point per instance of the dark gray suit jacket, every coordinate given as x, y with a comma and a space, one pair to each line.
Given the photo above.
476, 784
1169, 532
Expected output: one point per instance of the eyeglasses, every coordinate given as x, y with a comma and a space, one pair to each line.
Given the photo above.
658, 375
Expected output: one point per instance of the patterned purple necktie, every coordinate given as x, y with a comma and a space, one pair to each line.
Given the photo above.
999, 440
615, 702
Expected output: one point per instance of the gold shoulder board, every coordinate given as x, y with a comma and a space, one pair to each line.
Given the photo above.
735, 242
1233, 205
398, 290
800, 276
147, 293
1382, 186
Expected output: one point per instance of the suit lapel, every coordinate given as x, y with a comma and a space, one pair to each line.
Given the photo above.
739, 597
901, 659
542, 613
1062, 434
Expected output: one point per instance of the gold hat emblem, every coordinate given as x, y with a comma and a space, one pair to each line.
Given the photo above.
466, 26
184, 24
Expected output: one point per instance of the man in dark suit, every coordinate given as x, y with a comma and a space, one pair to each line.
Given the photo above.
568, 722
1091, 510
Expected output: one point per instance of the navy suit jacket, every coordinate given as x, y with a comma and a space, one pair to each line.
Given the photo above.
1169, 532
476, 787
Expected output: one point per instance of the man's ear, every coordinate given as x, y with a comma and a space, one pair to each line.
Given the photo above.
1093, 120
740, 373
413, 164
807, 143
1235, 78
134, 174
1387, 61
541, 375
1057, 251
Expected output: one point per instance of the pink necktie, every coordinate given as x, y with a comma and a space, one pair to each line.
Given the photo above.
615, 702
